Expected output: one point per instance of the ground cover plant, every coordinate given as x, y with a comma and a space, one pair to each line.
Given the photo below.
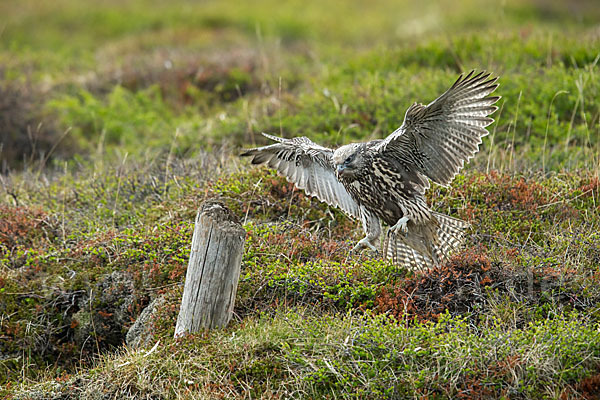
118, 119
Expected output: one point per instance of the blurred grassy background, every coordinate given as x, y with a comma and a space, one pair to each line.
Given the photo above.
139, 77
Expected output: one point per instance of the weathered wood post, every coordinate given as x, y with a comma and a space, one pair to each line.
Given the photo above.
213, 270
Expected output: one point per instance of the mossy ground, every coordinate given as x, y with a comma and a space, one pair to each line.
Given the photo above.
120, 118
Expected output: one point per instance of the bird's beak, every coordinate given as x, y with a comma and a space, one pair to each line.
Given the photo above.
339, 171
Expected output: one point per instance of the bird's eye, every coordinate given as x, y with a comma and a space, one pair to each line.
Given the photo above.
350, 159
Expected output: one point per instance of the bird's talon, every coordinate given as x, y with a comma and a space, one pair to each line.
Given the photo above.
362, 244
401, 226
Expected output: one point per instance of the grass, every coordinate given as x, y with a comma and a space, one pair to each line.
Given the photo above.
119, 119
354, 356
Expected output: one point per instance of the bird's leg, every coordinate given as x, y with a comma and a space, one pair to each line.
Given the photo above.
372, 228
400, 226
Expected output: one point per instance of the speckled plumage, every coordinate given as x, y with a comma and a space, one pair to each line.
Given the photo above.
385, 180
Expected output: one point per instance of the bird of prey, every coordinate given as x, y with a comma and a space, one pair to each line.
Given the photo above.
385, 180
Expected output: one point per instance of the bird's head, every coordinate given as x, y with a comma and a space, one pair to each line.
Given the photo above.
348, 160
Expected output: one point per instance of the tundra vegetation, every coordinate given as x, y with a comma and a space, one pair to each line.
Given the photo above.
119, 118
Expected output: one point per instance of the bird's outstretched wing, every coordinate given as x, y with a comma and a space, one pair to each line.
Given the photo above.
309, 166
437, 139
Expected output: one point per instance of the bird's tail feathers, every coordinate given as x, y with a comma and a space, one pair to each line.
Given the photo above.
417, 250
400, 253
451, 232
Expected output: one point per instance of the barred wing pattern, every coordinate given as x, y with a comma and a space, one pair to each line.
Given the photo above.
309, 167
439, 138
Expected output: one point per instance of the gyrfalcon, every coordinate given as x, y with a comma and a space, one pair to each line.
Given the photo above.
385, 180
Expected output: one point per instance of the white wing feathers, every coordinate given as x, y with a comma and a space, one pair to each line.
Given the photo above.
309, 167
439, 138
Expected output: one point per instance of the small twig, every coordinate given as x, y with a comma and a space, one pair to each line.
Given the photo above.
565, 200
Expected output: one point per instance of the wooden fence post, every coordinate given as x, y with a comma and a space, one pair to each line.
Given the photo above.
213, 270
